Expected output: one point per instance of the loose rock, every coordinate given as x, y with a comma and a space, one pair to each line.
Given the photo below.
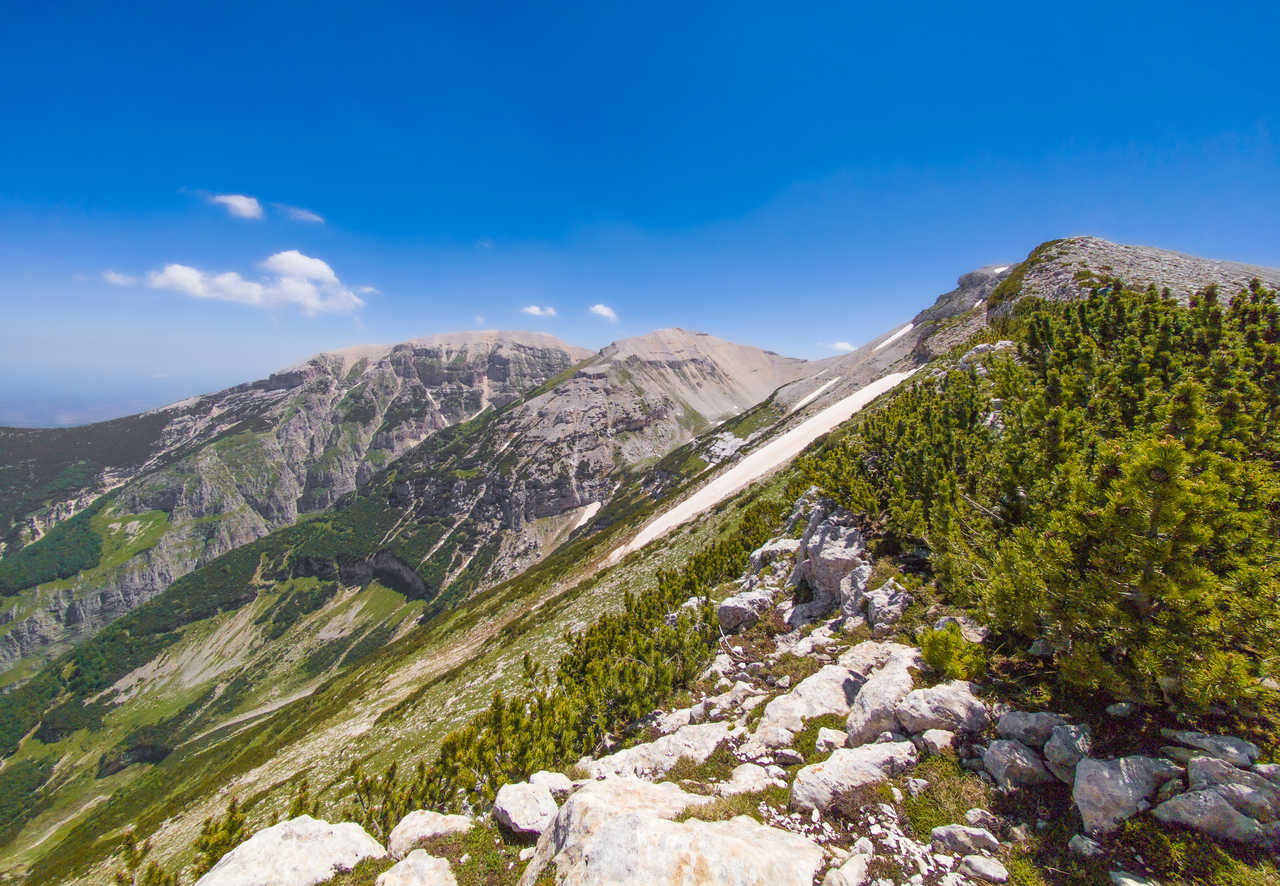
1067, 746
1209, 813
1032, 730
1013, 764
984, 868
951, 706
1235, 751
964, 840
1109, 791
524, 808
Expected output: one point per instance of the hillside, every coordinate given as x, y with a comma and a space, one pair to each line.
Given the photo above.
485, 607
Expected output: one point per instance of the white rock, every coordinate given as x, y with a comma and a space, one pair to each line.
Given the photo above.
818, 785
557, 783
618, 832
524, 808
984, 868
829, 739
874, 707
951, 706
916, 786
1121, 878
1014, 765
963, 840
982, 818
853, 872
886, 605
1248, 792
832, 551
1032, 729
742, 610
830, 691
423, 824
696, 742
747, 778
772, 550
1109, 791
969, 629
938, 741
418, 869
302, 851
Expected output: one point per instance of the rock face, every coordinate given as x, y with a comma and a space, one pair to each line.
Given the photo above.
951, 706
819, 785
1109, 791
423, 824
524, 808
299, 852
418, 869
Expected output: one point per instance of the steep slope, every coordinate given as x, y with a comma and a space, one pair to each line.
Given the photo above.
202, 477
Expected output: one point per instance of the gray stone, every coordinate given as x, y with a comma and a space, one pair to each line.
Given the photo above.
747, 778
1032, 729
424, 824
984, 868
524, 808
1209, 813
1067, 746
1122, 709
1109, 791
831, 690
772, 550
829, 739
1012, 764
853, 872
982, 818
1085, 847
951, 706
556, 782
1269, 771
418, 869
696, 743
886, 605
969, 629
963, 839
302, 851
1248, 792
1121, 878
874, 708
938, 741
818, 785
742, 610
1235, 751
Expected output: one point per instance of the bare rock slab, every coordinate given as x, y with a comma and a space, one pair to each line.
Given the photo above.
818, 786
302, 851
1109, 791
424, 824
524, 808
952, 706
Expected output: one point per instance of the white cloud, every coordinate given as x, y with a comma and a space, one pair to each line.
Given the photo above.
842, 346
538, 311
239, 205
292, 263
479, 319
115, 278
297, 213
298, 279
605, 311
368, 290
484, 243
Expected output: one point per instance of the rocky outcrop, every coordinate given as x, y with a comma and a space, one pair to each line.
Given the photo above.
302, 851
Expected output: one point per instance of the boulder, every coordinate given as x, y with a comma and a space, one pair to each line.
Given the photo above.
951, 706
557, 783
742, 610
1269, 771
871, 655
853, 872
1123, 878
886, 605
873, 709
982, 868
982, 818
302, 851
1248, 792
695, 742
524, 808
1235, 751
772, 550
969, 629
747, 778
938, 741
1067, 746
963, 839
829, 739
830, 691
418, 869
818, 785
1209, 813
1109, 791
831, 552
1014, 765
618, 831
1085, 847
423, 824
1032, 730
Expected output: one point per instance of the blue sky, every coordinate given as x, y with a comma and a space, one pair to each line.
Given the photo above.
790, 176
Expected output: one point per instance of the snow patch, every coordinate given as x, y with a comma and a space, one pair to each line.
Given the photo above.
756, 464
897, 335
1000, 270
587, 513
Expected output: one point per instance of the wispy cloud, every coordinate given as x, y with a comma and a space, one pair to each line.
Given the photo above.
297, 213
479, 319
484, 244
238, 205
293, 279
605, 311
368, 290
115, 278
842, 346
538, 311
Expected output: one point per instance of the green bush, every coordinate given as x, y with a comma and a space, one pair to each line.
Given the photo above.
951, 655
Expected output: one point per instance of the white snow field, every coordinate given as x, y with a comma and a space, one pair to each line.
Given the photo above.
760, 462
897, 335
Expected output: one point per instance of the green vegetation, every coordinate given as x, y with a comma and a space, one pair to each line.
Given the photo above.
1112, 490
64, 550
951, 655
